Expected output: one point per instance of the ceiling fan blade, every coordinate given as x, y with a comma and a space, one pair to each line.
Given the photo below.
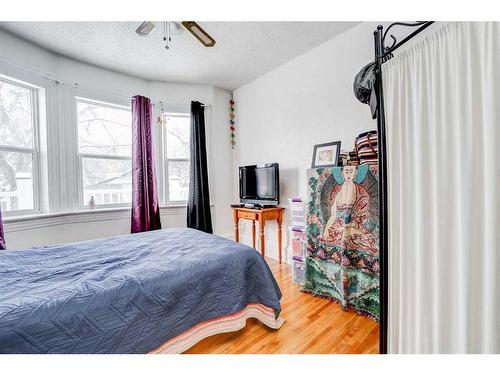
145, 28
199, 33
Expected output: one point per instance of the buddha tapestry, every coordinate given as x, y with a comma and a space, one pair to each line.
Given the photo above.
342, 260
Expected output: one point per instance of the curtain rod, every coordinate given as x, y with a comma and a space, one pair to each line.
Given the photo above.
59, 81
389, 50
160, 103
76, 85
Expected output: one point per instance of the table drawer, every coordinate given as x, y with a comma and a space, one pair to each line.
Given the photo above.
271, 215
247, 215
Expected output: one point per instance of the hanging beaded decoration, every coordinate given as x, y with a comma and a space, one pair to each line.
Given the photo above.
231, 122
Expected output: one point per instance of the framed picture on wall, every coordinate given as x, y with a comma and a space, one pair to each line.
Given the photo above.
326, 155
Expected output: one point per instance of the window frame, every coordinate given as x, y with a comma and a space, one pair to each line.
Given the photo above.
81, 204
166, 159
34, 150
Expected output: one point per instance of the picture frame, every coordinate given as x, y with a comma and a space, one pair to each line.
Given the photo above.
326, 154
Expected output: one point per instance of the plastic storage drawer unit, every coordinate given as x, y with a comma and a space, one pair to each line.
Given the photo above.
298, 213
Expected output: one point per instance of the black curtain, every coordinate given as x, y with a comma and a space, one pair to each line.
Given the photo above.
198, 210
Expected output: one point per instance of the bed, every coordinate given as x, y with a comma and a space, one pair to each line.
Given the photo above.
152, 292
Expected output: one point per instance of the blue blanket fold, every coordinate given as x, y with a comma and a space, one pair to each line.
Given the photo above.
125, 294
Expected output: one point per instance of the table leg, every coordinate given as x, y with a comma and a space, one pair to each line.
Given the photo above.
280, 219
262, 237
236, 229
253, 233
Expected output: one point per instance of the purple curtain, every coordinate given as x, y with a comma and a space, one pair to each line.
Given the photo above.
2, 236
145, 207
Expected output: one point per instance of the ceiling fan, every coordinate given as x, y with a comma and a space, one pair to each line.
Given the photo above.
203, 37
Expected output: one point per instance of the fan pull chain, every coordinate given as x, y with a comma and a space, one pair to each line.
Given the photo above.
166, 29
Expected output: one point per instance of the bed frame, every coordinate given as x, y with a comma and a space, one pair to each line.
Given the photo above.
229, 323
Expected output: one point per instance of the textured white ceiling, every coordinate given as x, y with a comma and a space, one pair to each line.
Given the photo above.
244, 50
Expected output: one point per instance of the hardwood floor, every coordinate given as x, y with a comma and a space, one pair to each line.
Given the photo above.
313, 325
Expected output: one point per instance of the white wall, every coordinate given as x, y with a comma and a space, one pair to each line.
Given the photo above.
281, 115
221, 162
59, 228
25, 61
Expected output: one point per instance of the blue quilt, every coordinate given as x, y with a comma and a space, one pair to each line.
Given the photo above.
125, 294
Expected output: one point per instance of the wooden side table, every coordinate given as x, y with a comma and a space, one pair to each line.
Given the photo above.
260, 215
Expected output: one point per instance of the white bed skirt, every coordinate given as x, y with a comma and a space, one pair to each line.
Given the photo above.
228, 323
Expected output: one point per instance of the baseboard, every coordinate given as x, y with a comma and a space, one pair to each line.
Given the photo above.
247, 240
229, 236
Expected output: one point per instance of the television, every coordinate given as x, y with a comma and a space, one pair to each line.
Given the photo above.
260, 184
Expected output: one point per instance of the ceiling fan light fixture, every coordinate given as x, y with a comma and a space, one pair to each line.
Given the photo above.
199, 33
145, 28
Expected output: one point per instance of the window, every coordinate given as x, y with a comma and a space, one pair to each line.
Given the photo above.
18, 147
105, 150
176, 153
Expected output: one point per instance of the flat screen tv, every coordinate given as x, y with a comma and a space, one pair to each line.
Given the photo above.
260, 184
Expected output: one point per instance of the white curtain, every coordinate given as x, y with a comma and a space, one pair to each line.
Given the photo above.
442, 100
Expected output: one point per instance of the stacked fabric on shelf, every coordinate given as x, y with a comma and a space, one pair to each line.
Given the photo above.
353, 158
367, 147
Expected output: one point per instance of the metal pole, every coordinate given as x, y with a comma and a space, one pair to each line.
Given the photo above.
382, 170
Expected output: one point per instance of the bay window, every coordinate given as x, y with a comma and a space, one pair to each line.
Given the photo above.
37, 180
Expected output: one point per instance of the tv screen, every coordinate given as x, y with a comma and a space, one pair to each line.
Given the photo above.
259, 184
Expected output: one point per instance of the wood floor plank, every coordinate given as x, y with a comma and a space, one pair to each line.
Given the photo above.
313, 325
